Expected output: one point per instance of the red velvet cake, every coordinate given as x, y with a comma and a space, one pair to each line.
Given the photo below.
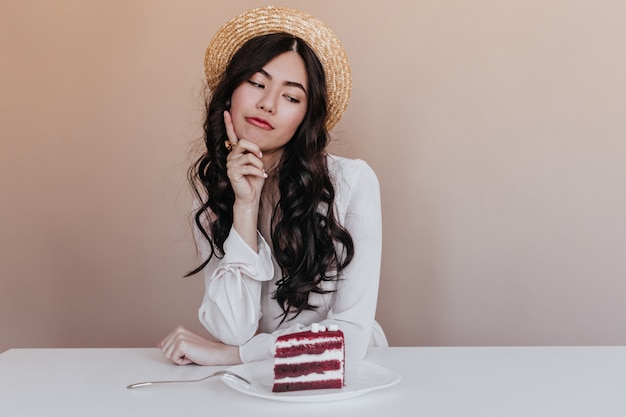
312, 359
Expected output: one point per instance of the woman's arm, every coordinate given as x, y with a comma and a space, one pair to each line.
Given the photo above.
231, 306
183, 347
230, 310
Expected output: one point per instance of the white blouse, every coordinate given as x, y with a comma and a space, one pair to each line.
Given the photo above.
238, 307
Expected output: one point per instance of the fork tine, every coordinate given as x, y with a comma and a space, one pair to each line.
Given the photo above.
226, 372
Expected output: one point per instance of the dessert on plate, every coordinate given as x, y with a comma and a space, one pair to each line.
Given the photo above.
311, 359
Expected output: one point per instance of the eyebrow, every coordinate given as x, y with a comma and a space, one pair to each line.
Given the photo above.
287, 83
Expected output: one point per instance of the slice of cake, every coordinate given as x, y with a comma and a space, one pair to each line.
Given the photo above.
312, 359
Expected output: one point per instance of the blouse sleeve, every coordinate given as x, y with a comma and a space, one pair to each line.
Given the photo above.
231, 307
354, 306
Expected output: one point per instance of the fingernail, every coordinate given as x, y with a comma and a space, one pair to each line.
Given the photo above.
264, 174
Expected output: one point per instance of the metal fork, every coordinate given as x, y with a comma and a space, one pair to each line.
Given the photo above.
218, 373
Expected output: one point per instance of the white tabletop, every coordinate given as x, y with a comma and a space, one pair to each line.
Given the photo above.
474, 381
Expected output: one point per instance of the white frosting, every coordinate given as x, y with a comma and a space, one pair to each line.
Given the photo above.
329, 355
328, 375
299, 342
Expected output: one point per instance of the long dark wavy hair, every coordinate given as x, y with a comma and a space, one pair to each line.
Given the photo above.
309, 244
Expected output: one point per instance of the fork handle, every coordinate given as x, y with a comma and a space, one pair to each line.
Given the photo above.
145, 384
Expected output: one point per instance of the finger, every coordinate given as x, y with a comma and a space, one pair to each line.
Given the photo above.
172, 339
176, 352
164, 344
245, 146
179, 354
237, 161
230, 128
246, 165
247, 171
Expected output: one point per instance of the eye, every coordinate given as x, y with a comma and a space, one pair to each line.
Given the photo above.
292, 99
255, 84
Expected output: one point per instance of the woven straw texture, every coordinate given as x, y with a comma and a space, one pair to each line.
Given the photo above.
230, 37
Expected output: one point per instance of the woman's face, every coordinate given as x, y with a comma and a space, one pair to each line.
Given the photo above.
268, 107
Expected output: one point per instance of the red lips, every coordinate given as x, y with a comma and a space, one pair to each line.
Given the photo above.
259, 122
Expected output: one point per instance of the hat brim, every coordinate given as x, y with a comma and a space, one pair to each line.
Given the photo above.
261, 21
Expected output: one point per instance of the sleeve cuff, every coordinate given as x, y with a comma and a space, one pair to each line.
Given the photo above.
259, 348
237, 251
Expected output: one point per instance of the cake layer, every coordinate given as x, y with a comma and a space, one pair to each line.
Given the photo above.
301, 386
308, 348
305, 368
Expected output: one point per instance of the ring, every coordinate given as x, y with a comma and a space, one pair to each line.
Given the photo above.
229, 145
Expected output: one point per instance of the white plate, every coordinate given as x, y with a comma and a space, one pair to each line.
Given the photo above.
361, 377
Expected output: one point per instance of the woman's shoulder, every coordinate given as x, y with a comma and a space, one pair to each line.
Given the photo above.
355, 183
349, 169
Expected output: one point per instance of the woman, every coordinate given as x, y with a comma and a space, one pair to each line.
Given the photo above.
289, 234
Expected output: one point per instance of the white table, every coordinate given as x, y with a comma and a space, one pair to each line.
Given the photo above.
459, 381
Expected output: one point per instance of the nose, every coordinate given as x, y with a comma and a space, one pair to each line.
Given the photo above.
267, 103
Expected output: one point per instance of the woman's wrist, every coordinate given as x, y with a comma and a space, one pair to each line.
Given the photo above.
230, 355
245, 219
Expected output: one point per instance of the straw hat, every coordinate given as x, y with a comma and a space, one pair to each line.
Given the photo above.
230, 37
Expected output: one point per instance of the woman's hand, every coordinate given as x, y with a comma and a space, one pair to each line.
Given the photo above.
184, 347
244, 166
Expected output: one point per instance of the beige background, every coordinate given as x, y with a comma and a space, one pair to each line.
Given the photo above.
496, 128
